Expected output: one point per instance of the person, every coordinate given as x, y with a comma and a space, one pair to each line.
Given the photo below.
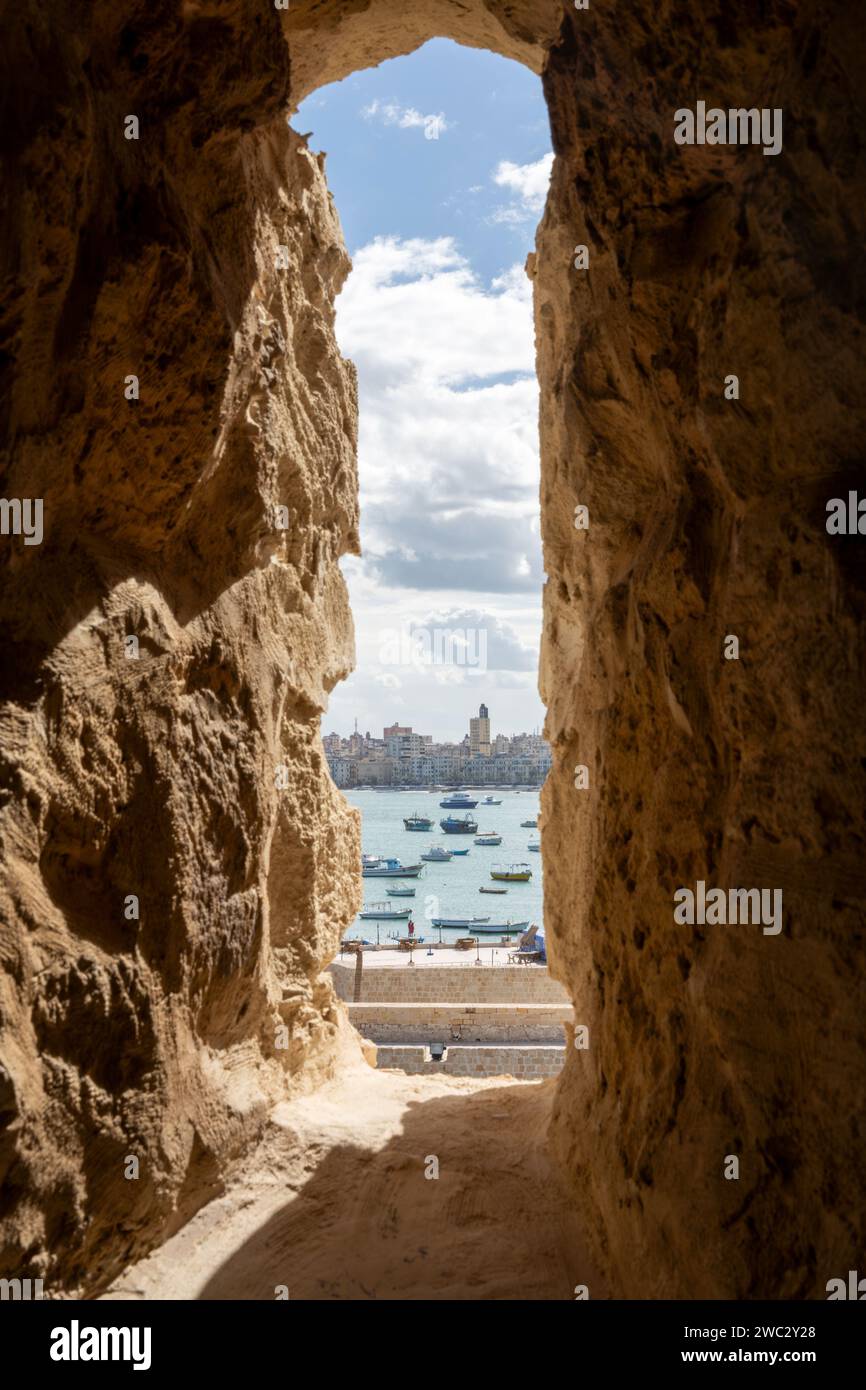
411, 927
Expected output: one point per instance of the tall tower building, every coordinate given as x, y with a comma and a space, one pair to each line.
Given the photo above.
479, 734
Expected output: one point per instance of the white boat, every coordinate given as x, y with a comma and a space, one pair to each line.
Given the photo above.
459, 801
458, 921
493, 890
437, 855
501, 928
400, 890
374, 866
492, 801
488, 838
529, 825
385, 912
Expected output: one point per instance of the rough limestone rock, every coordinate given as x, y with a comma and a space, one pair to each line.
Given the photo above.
206, 518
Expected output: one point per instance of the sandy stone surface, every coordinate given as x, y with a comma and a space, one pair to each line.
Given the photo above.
335, 1203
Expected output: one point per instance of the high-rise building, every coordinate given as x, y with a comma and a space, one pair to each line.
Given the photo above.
479, 734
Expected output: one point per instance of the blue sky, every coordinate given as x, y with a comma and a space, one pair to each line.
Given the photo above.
439, 164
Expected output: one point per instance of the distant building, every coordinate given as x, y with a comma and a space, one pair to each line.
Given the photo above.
479, 734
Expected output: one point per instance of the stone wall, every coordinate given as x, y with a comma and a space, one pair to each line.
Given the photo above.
495, 984
523, 1063
501, 1023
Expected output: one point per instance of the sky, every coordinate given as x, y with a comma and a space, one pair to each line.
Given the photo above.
439, 164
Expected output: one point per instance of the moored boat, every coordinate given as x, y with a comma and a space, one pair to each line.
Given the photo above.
437, 855
492, 801
529, 825
488, 838
458, 801
384, 912
458, 921
459, 825
416, 822
374, 866
493, 890
502, 928
400, 890
460, 851
511, 873
534, 845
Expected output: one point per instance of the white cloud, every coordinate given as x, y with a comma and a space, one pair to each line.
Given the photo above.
529, 182
449, 474
407, 118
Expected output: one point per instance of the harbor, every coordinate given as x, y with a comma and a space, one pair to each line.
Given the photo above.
490, 874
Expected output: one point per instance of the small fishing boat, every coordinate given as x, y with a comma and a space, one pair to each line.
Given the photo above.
511, 873
529, 825
416, 822
374, 866
458, 921
489, 837
500, 928
534, 845
460, 851
459, 825
458, 801
437, 855
492, 801
493, 890
384, 912
400, 890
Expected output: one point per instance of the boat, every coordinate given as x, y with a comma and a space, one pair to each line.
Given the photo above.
511, 873
459, 825
416, 822
529, 825
489, 837
501, 928
437, 855
458, 801
534, 845
491, 801
400, 890
385, 912
374, 866
493, 890
460, 851
458, 921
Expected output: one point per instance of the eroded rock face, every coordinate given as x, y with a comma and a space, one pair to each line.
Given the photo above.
707, 519
204, 258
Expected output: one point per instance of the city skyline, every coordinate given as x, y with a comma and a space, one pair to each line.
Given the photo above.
405, 756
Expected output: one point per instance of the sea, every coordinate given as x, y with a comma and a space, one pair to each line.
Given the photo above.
448, 890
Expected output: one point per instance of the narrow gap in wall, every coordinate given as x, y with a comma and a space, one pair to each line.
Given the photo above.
439, 165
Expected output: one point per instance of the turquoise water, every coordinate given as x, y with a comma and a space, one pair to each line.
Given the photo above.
448, 890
